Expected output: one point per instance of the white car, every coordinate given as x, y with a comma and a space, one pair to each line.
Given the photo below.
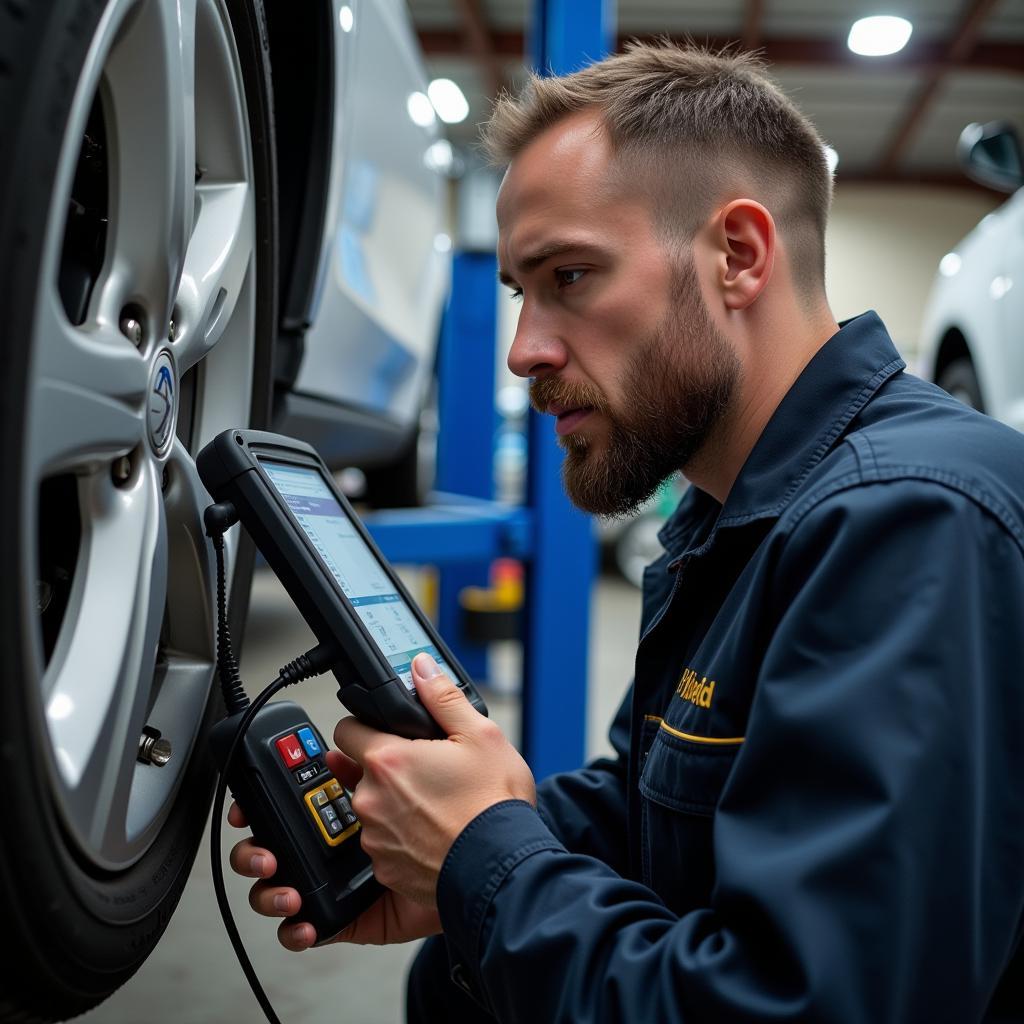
972, 341
213, 213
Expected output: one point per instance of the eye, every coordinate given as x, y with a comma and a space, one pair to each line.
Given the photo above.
565, 278
516, 294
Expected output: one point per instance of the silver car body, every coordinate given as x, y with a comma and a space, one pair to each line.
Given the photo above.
978, 295
384, 262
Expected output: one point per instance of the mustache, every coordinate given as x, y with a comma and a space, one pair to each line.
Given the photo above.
569, 394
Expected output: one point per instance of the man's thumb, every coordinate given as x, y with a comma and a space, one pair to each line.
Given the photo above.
441, 697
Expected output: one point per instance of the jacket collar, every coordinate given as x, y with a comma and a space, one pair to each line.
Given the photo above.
836, 384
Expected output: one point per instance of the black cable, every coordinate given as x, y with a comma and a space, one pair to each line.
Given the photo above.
312, 663
215, 855
235, 697
218, 518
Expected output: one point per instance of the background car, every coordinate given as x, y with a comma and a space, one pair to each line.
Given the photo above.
974, 318
204, 223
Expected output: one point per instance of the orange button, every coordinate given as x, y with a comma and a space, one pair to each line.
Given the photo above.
334, 789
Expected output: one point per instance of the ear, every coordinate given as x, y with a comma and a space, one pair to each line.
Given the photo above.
745, 236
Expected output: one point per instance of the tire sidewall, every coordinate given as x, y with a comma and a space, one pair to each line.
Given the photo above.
77, 933
961, 375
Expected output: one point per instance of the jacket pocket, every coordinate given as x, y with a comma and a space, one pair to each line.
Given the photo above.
680, 786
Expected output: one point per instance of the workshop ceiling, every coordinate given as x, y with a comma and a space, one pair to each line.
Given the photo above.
893, 118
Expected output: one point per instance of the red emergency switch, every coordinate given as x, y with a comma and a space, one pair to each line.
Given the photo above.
291, 750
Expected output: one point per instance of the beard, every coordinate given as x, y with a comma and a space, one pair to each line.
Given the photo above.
676, 386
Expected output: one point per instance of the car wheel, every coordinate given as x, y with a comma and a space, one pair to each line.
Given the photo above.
960, 380
137, 283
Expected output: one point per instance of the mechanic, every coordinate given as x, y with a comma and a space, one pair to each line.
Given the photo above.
815, 810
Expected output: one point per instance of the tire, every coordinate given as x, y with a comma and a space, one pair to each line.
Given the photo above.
399, 484
137, 280
960, 380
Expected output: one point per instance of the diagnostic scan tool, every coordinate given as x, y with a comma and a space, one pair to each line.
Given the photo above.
287, 500
369, 630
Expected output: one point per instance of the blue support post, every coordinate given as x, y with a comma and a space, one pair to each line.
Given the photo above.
566, 35
468, 423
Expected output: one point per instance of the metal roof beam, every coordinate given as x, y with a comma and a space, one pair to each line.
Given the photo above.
959, 50
753, 16
793, 51
478, 41
936, 179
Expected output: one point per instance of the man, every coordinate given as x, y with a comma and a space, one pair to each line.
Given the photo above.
816, 810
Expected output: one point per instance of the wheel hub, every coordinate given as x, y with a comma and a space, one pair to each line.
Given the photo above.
162, 407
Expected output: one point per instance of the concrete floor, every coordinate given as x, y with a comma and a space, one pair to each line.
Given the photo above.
193, 977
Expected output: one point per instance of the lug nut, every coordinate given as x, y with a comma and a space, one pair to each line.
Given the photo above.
121, 470
131, 328
153, 748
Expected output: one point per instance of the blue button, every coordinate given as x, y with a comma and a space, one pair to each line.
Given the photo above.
308, 740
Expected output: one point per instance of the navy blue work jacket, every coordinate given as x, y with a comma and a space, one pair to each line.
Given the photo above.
817, 808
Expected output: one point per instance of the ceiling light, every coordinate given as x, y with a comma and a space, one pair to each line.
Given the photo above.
421, 110
950, 264
448, 100
879, 36
439, 156
832, 157
345, 18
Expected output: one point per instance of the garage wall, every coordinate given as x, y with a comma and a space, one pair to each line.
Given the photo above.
884, 245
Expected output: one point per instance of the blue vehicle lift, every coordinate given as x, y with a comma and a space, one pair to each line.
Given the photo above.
463, 529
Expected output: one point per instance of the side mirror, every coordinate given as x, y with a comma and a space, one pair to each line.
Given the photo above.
990, 154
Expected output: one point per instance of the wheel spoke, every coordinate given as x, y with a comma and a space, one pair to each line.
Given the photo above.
150, 98
192, 577
88, 397
218, 256
98, 683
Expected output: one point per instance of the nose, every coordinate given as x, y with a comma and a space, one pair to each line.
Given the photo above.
537, 350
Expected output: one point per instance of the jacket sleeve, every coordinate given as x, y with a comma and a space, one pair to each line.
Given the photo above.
869, 839
586, 809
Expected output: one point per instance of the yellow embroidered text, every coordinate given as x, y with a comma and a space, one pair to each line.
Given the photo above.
697, 690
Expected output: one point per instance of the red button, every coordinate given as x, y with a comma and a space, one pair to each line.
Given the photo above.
291, 750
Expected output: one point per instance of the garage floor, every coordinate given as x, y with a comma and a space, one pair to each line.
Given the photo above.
193, 977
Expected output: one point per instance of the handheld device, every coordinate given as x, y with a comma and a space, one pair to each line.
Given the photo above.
298, 809
287, 500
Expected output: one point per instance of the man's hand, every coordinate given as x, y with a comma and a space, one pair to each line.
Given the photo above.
391, 919
416, 796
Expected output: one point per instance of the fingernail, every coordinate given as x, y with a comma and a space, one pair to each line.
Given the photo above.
300, 934
426, 667
281, 901
258, 863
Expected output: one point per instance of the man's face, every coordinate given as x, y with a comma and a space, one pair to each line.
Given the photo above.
614, 329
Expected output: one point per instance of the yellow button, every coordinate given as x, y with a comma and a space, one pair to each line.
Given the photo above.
334, 789
320, 798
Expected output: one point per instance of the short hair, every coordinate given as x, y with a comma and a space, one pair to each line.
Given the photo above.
693, 124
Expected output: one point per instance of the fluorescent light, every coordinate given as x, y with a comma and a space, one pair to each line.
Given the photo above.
832, 157
439, 156
345, 19
448, 100
1000, 286
879, 36
421, 110
950, 264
